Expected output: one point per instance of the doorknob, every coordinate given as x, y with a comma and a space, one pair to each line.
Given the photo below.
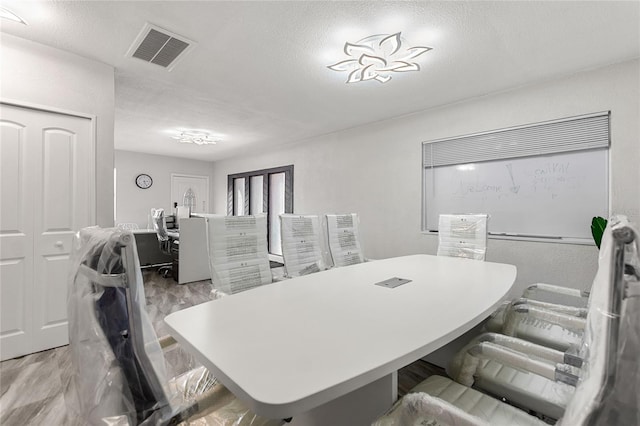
59, 244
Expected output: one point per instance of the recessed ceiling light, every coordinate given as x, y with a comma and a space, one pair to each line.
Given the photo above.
7, 14
196, 137
377, 56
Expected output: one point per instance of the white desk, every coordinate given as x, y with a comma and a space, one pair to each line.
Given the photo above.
324, 348
193, 256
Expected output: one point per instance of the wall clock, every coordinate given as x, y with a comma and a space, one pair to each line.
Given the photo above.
144, 181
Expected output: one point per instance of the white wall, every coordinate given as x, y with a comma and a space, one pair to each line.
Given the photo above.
375, 170
37, 74
133, 204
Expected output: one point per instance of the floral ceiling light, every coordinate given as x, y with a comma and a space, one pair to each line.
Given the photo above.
377, 56
198, 138
7, 14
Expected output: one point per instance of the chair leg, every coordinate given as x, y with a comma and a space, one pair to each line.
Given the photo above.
164, 271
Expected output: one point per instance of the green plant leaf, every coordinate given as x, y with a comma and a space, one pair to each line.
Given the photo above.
597, 229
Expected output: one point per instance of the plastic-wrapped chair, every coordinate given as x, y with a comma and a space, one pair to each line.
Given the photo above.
167, 244
303, 248
493, 367
462, 235
238, 253
118, 368
555, 325
532, 317
518, 371
441, 399
343, 232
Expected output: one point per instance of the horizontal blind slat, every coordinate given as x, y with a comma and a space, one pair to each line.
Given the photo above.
572, 134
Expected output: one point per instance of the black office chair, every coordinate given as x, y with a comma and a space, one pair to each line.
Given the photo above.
168, 245
118, 368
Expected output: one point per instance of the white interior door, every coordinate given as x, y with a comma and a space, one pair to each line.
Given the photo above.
51, 159
16, 239
199, 186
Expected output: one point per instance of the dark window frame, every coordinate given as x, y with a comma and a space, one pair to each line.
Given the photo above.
265, 173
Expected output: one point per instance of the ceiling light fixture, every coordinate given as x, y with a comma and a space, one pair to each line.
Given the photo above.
196, 137
7, 14
377, 56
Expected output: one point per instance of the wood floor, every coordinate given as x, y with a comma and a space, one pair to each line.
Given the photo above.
32, 388
415, 373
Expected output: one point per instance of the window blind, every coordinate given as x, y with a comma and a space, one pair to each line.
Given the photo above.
565, 135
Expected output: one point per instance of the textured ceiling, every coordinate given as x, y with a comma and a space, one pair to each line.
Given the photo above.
258, 73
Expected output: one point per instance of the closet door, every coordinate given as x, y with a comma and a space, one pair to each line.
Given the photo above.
57, 153
16, 237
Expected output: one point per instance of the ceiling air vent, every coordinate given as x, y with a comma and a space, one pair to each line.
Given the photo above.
159, 46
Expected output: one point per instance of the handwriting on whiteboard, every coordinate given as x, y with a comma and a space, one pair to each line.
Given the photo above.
551, 195
549, 178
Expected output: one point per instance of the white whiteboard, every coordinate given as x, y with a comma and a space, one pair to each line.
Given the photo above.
547, 196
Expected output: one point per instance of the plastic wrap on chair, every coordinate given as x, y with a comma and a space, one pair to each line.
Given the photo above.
303, 244
555, 307
463, 365
622, 406
219, 406
602, 395
168, 245
475, 403
418, 409
106, 374
118, 366
524, 378
193, 383
518, 313
496, 319
599, 344
232, 412
343, 234
557, 294
515, 359
160, 224
216, 294
518, 354
464, 368
463, 235
572, 302
607, 390
238, 254
534, 329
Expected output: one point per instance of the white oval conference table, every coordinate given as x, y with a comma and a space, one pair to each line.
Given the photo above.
325, 348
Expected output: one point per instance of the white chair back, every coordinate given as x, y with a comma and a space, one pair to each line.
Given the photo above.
601, 340
238, 253
127, 226
160, 224
302, 244
343, 231
462, 235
